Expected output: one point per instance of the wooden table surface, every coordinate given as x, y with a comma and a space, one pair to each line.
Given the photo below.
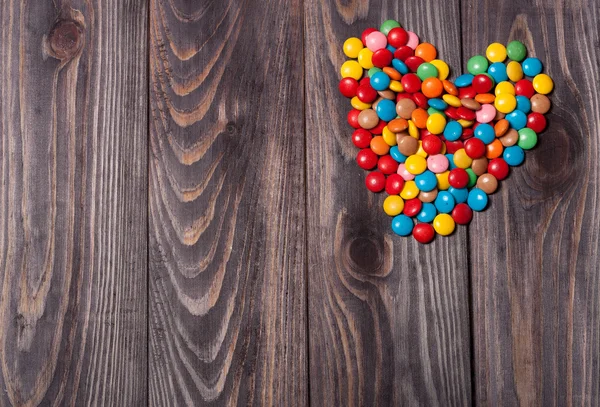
182, 221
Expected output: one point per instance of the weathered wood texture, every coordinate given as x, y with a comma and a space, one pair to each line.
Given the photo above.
388, 317
73, 120
227, 206
536, 285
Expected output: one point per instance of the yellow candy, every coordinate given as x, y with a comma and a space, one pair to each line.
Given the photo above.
496, 52
514, 71
364, 58
351, 69
452, 100
442, 180
442, 67
465, 123
420, 151
505, 103
410, 190
444, 224
416, 164
413, 131
461, 159
543, 84
393, 205
358, 104
352, 47
396, 86
436, 123
505, 87
443, 148
389, 137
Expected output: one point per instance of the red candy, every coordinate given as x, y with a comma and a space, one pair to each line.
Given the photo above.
432, 145
403, 52
375, 181
524, 88
361, 138
366, 159
397, 37
466, 92
413, 62
353, 118
458, 178
475, 148
382, 58
420, 100
379, 128
348, 87
387, 164
453, 146
498, 168
412, 207
394, 184
411, 83
423, 232
464, 113
536, 122
365, 93
462, 214
482, 83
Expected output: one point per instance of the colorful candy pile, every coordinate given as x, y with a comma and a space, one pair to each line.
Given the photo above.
439, 148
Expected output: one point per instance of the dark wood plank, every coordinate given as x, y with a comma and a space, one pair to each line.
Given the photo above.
536, 286
73, 119
388, 317
227, 237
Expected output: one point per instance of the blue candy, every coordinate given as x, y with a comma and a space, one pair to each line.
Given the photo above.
402, 225
460, 194
397, 155
532, 66
477, 199
386, 110
517, 119
427, 213
485, 133
497, 71
523, 104
464, 80
513, 155
453, 131
438, 104
380, 81
450, 158
426, 181
444, 202
400, 66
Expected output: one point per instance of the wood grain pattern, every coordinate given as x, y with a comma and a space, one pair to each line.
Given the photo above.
388, 317
73, 119
227, 258
536, 286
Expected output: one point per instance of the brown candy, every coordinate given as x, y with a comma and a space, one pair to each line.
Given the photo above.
470, 103
487, 183
408, 145
368, 119
499, 115
510, 138
428, 196
374, 105
405, 107
387, 94
540, 103
479, 165
397, 125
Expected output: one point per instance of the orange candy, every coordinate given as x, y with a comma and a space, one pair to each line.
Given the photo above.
426, 51
419, 118
485, 98
450, 88
432, 87
392, 73
379, 146
501, 127
494, 149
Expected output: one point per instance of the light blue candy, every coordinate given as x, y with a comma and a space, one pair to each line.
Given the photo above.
517, 119
397, 155
453, 131
426, 181
532, 66
386, 110
464, 80
444, 202
427, 213
391, 49
485, 133
523, 104
460, 194
400, 66
437, 104
402, 225
513, 155
451, 164
380, 81
497, 71
477, 199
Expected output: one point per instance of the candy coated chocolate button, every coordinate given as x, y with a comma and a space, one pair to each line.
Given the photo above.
423, 232
487, 183
428, 196
444, 224
408, 145
367, 119
480, 165
462, 214
540, 103
486, 114
516, 51
405, 107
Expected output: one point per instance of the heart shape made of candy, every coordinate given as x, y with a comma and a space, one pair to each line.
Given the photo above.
439, 148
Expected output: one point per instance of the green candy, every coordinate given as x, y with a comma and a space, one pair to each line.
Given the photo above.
373, 71
387, 25
477, 64
527, 138
431, 111
516, 51
427, 70
472, 178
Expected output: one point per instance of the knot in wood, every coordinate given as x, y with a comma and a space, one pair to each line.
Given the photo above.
365, 255
65, 39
